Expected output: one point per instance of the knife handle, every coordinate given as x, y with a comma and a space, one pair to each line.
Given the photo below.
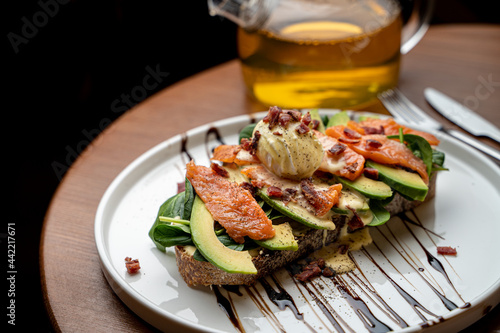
475, 143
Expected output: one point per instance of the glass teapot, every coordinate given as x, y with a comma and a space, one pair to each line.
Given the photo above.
322, 53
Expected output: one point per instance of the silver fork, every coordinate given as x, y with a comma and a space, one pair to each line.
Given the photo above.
404, 111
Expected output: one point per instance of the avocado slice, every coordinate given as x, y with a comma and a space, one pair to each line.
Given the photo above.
373, 189
409, 184
298, 213
282, 240
205, 240
340, 118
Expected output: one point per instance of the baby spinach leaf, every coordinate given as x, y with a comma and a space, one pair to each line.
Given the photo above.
179, 205
170, 206
438, 159
188, 200
230, 243
247, 132
325, 120
174, 206
198, 256
170, 235
380, 214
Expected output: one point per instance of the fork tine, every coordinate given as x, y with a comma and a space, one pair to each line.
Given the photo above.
410, 107
394, 104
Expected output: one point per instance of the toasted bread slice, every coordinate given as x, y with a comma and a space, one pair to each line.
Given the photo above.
196, 272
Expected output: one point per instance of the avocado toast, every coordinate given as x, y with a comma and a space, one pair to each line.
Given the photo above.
292, 186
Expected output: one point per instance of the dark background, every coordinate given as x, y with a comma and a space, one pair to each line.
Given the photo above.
62, 80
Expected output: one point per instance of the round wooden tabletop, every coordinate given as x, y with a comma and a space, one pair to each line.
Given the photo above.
460, 60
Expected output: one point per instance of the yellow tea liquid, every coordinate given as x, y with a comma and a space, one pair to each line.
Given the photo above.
322, 64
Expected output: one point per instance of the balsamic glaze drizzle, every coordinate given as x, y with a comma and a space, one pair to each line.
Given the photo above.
264, 308
372, 323
184, 151
212, 131
227, 307
355, 279
447, 303
406, 296
432, 260
282, 299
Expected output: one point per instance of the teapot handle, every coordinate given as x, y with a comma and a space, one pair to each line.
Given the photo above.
417, 24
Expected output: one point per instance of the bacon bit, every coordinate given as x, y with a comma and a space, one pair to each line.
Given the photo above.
373, 130
302, 128
251, 145
371, 173
323, 174
351, 134
272, 116
274, 191
258, 183
337, 149
314, 269
296, 115
348, 141
328, 272
245, 144
284, 119
219, 170
343, 248
307, 119
315, 124
277, 133
288, 195
373, 144
307, 275
352, 168
446, 250
355, 222
249, 187
132, 266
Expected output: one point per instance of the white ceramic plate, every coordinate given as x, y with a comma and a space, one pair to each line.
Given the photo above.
464, 214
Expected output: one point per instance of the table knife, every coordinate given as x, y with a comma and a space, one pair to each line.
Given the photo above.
461, 115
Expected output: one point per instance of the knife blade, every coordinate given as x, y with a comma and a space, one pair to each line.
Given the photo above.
461, 115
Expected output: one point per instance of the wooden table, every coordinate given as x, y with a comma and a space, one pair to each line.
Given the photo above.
456, 59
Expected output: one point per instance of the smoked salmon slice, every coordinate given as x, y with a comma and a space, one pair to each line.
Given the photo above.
369, 138
391, 127
339, 159
377, 126
379, 148
230, 204
234, 154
